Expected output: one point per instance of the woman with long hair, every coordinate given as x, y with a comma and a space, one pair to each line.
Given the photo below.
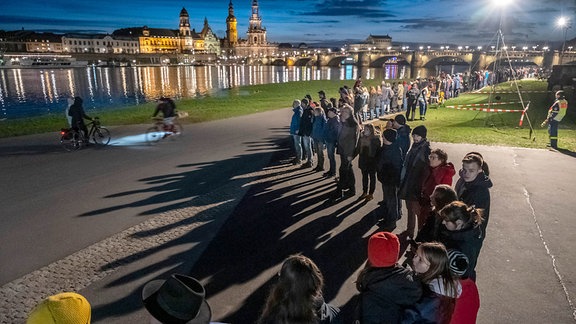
441, 287
297, 296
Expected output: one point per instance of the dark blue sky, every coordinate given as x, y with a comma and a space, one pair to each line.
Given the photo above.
465, 22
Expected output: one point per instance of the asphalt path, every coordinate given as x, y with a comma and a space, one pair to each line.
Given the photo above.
244, 209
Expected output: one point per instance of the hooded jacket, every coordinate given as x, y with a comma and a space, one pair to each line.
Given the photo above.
477, 193
385, 292
441, 174
403, 139
468, 241
331, 130
318, 126
415, 165
295, 122
436, 305
390, 164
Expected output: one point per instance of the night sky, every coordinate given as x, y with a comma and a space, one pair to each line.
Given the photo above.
463, 22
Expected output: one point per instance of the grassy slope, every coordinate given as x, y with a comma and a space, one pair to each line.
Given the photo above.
444, 124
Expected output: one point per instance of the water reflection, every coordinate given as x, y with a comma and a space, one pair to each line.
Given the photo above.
34, 92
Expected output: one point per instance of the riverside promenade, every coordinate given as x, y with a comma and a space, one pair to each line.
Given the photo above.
227, 207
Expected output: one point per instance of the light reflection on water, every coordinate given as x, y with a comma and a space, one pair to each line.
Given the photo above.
36, 92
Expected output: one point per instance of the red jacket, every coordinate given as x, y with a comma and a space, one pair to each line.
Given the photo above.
441, 174
467, 305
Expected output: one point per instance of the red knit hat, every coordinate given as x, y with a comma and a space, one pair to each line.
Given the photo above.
383, 249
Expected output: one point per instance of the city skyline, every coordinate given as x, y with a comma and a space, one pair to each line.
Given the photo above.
314, 21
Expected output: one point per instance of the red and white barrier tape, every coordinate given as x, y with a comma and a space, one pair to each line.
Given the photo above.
485, 104
486, 109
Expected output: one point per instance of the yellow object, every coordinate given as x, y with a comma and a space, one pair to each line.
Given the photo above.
63, 308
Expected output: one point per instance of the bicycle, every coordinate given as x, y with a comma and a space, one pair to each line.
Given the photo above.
73, 139
161, 131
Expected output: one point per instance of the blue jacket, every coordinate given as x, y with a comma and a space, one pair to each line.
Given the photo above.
295, 123
403, 139
331, 130
318, 126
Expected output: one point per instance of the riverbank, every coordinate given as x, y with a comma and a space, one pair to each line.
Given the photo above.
444, 124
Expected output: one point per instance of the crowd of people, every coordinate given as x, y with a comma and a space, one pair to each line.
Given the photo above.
433, 282
446, 224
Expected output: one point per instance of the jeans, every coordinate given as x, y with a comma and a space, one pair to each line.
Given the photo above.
404, 104
307, 142
553, 133
423, 107
331, 152
297, 139
368, 181
319, 147
378, 112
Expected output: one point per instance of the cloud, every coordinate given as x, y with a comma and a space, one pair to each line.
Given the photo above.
348, 8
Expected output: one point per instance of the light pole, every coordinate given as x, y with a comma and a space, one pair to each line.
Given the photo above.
563, 23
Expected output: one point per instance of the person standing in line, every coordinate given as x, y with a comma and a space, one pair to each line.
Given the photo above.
318, 136
441, 288
385, 288
372, 98
413, 95
440, 171
347, 142
403, 131
305, 131
294, 129
555, 115
415, 164
400, 97
78, 115
462, 232
331, 132
387, 95
296, 297
468, 304
369, 154
423, 102
323, 101
473, 186
389, 170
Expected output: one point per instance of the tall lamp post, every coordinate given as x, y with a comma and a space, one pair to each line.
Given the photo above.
564, 24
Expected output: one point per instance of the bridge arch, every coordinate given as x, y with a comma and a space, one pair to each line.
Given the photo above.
278, 62
303, 61
388, 59
336, 61
515, 62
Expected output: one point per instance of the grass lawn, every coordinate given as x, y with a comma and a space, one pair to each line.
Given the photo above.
444, 124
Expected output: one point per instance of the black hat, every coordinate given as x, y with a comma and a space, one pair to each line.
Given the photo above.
309, 97
332, 109
390, 135
400, 119
420, 130
322, 93
180, 299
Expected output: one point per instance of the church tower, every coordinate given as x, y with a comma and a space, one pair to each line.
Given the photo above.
231, 29
184, 23
256, 33
185, 35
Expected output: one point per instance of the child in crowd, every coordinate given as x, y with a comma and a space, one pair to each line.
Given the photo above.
318, 126
369, 154
385, 287
441, 196
415, 164
441, 288
331, 131
297, 295
468, 304
463, 231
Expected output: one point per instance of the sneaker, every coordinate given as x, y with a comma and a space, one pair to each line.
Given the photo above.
306, 165
363, 195
296, 161
368, 197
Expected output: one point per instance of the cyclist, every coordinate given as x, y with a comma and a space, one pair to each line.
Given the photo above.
168, 109
78, 115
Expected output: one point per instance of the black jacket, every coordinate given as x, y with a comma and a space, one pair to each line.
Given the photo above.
416, 163
390, 164
477, 193
384, 293
306, 122
467, 241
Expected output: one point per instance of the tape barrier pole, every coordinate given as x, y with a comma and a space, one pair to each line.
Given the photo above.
522, 117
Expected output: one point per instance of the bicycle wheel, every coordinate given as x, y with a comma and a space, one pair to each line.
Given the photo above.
153, 135
101, 136
176, 131
71, 143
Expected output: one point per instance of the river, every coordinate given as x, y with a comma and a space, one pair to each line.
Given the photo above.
37, 92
